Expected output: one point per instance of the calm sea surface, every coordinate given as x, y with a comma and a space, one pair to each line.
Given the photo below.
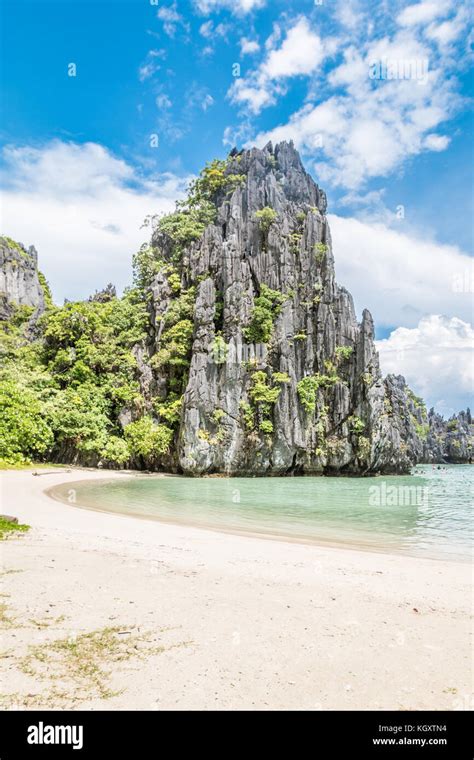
427, 513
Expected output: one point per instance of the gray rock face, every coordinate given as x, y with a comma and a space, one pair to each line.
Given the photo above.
450, 440
107, 294
310, 398
19, 280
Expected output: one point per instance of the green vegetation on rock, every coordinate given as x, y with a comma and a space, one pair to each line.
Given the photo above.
13, 245
356, 425
182, 227
48, 299
281, 377
261, 391
320, 251
61, 395
309, 386
343, 353
295, 241
263, 396
422, 431
170, 410
265, 218
219, 350
267, 307
248, 415
363, 448
175, 346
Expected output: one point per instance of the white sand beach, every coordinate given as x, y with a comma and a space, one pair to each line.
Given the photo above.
203, 620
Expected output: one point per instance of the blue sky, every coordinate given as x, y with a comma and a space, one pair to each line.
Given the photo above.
394, 154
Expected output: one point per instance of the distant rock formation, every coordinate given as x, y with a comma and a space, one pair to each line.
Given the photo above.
107, 294
20, 284
449, 441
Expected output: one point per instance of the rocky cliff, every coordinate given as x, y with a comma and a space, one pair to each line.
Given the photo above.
20, 285
235, 351
278, 377
449, 440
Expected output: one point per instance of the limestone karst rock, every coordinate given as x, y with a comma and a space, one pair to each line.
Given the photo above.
308, 397
248, 358
19, 280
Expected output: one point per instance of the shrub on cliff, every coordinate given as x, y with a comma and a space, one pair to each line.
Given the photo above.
267, 307
265, 217
146, 440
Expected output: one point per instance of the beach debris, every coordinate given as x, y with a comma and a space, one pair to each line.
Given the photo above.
37, 474
9, 518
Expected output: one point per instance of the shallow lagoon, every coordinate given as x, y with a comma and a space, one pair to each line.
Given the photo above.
428, 513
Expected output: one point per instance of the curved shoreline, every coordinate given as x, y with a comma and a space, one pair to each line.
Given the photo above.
336, 543
226, 531
241, 620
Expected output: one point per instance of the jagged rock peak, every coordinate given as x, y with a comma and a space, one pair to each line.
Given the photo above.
283, 162
19, 278
106, 294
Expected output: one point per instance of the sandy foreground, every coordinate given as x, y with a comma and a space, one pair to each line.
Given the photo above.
101, 611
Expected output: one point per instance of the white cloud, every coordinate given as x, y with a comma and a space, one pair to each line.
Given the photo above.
300, 54
400, 277
447, 32
171, 19
421, 13
248, 47
255, 98
349, 14
207, 102
234, 136
151, 65
147, 70
163, 101
372, 126
208, 30
272, 41
236, 6
405, 280
436, 142
436, 358
82, 208
198, 97
385, 102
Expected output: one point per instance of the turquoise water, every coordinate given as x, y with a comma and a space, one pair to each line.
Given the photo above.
427, 513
